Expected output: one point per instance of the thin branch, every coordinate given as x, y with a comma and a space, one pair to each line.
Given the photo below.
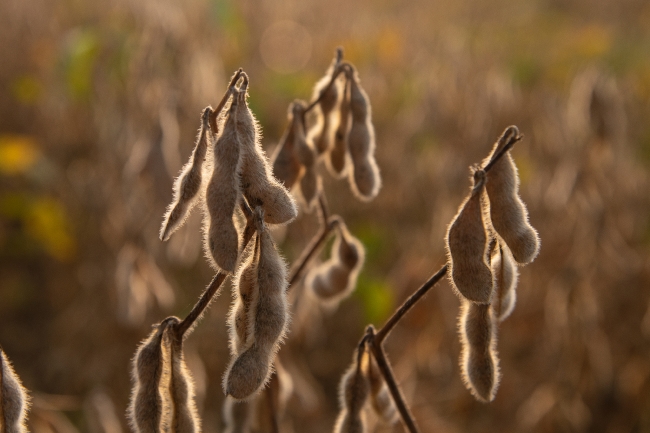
211, 292
387, 373
408, 304
314, 245
215, 114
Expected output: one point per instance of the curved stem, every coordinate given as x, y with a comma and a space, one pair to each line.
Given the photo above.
408, 304
317, 241
387, 372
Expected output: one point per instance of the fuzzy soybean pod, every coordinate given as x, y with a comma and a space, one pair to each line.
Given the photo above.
337, 158
336, 278
364, 177
184, 415
241, 319
467, 244
329, 96
507, 211
250, 369
353, 395
286, 166
505, 272
14, 401
479, 360
310, 182
257, 182
149, 408
222, 196
188, 183
380, 398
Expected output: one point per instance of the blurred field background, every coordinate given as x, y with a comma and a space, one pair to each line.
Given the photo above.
99, 107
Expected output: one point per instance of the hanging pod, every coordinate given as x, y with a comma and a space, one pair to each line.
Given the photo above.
222, 196
508, 212
257, 182
188, 183
328, 97
286, 166
479, 361
249, 370
149, 408
505, 272
310, 182
241, 319
353, 395
337, 157
14, 401
468, 245
184, 415
364, 177
336, 278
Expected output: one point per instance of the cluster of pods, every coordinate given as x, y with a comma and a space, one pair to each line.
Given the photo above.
363, 381
486, 241
340, 132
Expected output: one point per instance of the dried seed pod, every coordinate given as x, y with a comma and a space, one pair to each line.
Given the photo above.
336, 278
250, 369
241, 319
149, 408
222, 196
479, 360
507, 211
14, 401
365, 180
337, 160
188, 183
468, 245
310, 182
185, 417
328, 96
236, 416
353, 394
505, 272
257, 182
380, 398
286, 166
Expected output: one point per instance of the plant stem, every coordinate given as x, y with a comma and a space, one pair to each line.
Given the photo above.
387, 373
408, 304
314, 245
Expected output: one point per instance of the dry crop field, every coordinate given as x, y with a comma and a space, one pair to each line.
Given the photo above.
291, 216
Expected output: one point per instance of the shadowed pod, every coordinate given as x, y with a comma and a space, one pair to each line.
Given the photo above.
14, 401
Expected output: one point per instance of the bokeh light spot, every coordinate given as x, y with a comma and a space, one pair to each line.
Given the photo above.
286, 47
